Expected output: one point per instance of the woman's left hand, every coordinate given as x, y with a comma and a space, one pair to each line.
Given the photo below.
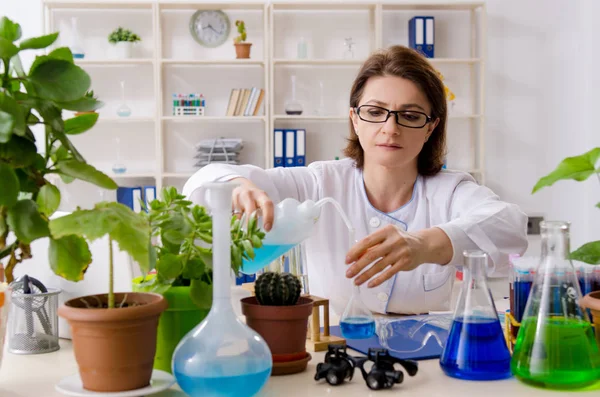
398, 250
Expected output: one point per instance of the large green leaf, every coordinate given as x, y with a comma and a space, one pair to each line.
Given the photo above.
62, 53
48, 199
85, 104
86, 172
26, 222
578, 168
169, 266
59, 80
7, 49
588, 253
69, 257
3, 226
9, 30
66, 142
18, 152
201, 294
129, 229
26, 183
9, 105
9, 192
37, 43
7, 122
194, 269
81, 123
175, 229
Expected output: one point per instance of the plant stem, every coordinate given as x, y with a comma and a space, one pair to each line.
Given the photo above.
5, 78
111, 293
8, 249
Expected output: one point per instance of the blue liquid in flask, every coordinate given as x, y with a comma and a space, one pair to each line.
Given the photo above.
476, 350
213, 385
357, 327
263, 256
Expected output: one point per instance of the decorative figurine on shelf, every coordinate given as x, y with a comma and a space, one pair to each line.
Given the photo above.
123, 40
188, 105
349, 52
242, 49
123, 110
94, 103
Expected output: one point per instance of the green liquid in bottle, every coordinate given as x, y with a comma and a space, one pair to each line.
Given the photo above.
559, 353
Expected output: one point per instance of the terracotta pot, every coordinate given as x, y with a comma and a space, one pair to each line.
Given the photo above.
284, 328
80, 113
114, 348
242, 50
592, 301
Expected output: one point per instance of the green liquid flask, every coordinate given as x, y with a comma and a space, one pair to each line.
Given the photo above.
555, 346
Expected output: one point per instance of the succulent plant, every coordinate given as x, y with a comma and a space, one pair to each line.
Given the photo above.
277, 289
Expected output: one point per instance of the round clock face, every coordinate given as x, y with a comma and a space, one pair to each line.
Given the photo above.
210, 28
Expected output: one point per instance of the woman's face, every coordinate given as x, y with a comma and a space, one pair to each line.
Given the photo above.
388, 143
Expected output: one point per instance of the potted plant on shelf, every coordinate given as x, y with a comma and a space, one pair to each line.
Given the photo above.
95, 104
580, 168
123, 40
184, 265
280, 315
37, 98
242, 49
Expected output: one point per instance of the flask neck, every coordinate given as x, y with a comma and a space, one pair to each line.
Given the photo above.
555, 242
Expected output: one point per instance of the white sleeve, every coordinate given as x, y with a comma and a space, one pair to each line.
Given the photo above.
301, 183
480, 220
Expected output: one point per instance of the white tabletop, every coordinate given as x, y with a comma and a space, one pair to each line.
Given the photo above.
36, 375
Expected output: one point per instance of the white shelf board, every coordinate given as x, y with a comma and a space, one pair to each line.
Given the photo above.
125, 120
340, 5
233, 119
430, 5
101, 4
225, 5
132, 175
177, 174
113, 62
454, 60
239, 62
352, 62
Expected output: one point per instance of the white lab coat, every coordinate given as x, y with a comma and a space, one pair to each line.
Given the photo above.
472, 216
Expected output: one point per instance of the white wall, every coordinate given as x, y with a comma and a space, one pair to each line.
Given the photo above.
541, 79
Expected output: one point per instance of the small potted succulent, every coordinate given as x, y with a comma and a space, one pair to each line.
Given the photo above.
123, 40
242, 49
280, 315
93, 105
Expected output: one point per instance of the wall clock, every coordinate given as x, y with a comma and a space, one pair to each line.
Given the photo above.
210, 28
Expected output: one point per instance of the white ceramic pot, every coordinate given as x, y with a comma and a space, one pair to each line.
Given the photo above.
123, 49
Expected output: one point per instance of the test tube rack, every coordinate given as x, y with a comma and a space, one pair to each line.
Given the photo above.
188, 110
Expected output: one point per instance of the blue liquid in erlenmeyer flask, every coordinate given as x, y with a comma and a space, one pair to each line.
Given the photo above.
521, 293
263, 256
476, 350
223, 386
357, 327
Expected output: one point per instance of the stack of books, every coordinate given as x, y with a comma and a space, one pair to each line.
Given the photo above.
245, 101
219, 150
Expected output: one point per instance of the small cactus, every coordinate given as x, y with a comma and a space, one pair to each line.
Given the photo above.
277, 289
241, 28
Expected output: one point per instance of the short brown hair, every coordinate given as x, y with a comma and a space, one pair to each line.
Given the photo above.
407, 63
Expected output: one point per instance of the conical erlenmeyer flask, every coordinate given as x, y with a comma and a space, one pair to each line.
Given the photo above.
357, 322
555, 347
221, 356
476, 348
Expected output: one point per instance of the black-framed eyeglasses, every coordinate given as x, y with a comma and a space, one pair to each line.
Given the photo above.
405, 118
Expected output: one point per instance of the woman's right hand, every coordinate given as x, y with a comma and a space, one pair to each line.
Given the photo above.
248, 197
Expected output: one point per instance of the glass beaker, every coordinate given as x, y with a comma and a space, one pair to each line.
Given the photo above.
76, 47
118, 167
476, 348
123, 110
555, 346
292, 105
357, 322
221, 356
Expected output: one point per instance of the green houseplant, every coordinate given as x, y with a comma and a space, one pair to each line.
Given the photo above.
28, 199
280, 315
183, 244
123, 40
242, 49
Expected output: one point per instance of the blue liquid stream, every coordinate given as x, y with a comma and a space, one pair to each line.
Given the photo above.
263, 256
357, 327
476, 350
245, 385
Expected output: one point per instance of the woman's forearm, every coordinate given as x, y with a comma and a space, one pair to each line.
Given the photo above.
437, 247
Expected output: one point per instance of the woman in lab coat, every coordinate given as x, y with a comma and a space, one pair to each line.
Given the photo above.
413, 220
